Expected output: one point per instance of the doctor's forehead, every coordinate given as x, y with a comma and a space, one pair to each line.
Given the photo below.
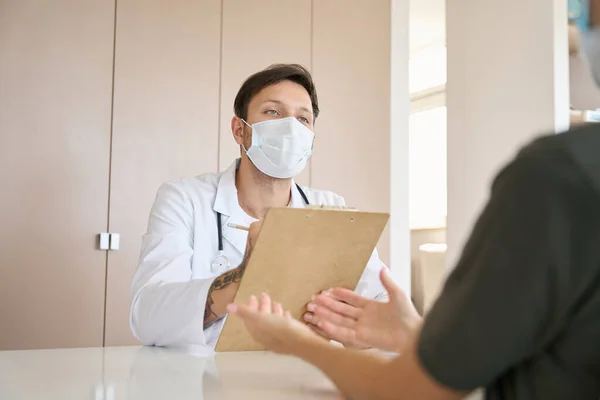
285, 93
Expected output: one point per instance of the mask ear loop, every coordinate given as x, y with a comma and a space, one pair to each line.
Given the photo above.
249, 126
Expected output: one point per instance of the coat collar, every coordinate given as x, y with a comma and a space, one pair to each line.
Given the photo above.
226, 203
226, 200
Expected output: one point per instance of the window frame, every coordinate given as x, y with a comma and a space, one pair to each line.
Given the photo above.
428, 99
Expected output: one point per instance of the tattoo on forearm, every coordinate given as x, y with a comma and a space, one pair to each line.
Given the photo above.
209, 315
233, 276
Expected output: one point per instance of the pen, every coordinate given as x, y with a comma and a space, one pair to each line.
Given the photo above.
241, 227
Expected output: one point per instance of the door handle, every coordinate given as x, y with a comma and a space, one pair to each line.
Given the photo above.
104, 241
115, 241
110, 241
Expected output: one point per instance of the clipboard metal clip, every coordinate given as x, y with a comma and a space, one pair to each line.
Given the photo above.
324, 207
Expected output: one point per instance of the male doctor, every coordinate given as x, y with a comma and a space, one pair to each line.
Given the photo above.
192, 261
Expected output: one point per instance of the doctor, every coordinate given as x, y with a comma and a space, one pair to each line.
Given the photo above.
191, 260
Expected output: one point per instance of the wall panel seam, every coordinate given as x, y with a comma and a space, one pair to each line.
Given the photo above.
312, 71
110, 158
219, 112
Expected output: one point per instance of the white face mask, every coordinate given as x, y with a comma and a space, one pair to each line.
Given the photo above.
280, 147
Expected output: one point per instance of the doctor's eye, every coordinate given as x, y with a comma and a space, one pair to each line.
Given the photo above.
304, 120
271, 112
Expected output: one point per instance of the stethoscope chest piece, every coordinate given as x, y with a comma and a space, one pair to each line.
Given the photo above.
220, 263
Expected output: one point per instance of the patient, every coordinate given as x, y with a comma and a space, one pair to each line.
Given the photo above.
520, 313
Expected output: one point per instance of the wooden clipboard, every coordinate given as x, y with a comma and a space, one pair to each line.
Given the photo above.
298, 253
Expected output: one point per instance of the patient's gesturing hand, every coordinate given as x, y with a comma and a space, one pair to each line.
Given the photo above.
273, 327
357, 321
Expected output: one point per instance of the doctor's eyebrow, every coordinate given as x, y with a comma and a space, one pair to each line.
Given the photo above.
278, 102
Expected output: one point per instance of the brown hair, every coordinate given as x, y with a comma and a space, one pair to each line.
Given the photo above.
269, 76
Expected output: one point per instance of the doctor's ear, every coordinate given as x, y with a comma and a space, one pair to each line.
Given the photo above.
237, 128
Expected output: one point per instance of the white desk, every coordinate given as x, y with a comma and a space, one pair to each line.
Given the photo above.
127, 373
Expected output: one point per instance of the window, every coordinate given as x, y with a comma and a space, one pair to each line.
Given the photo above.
427, 168
427, 69
427, 139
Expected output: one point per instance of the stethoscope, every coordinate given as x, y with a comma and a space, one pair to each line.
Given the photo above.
221, 263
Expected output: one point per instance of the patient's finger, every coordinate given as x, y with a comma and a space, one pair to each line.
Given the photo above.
325, 314
277, 308
348, 296
253, 303
338, 333
319, 331
308, 316
265, 304
243, 311
335, 306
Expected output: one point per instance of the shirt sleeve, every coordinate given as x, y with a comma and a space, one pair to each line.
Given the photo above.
370, 285
499, 302
167, 307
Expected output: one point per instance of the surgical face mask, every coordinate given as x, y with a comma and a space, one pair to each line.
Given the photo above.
280, 147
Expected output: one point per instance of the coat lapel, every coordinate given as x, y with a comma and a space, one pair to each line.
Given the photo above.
226, 203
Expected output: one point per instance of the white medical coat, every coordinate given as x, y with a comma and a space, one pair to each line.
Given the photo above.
170, 286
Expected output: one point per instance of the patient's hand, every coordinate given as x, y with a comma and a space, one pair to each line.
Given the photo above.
356, 321
332, 304
272, 327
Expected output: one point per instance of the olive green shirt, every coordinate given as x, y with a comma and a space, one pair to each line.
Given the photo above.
520, 313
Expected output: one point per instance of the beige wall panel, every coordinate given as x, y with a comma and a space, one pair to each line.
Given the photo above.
498, 98
256, 34
55, 101
351, 65
166, 111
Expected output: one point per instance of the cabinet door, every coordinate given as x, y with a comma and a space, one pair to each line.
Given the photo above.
351, 66
55, 110
166, 111
256, 34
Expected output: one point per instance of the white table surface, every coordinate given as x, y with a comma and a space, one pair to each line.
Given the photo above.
127, 373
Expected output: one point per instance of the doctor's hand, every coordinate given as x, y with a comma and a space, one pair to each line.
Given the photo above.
272, 327
356, 321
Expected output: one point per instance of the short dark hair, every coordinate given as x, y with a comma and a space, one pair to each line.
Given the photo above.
269, 76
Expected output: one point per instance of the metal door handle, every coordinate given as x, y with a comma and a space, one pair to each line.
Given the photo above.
104, 241
115, 241
110, 241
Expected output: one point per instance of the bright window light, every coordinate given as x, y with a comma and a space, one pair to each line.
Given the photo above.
427, 169
427, 69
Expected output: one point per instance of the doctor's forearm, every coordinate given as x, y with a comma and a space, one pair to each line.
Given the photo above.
221, 293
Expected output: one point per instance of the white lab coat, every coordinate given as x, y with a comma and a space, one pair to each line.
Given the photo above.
170, 286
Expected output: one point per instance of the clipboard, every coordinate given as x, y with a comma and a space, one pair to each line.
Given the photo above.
298, 253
